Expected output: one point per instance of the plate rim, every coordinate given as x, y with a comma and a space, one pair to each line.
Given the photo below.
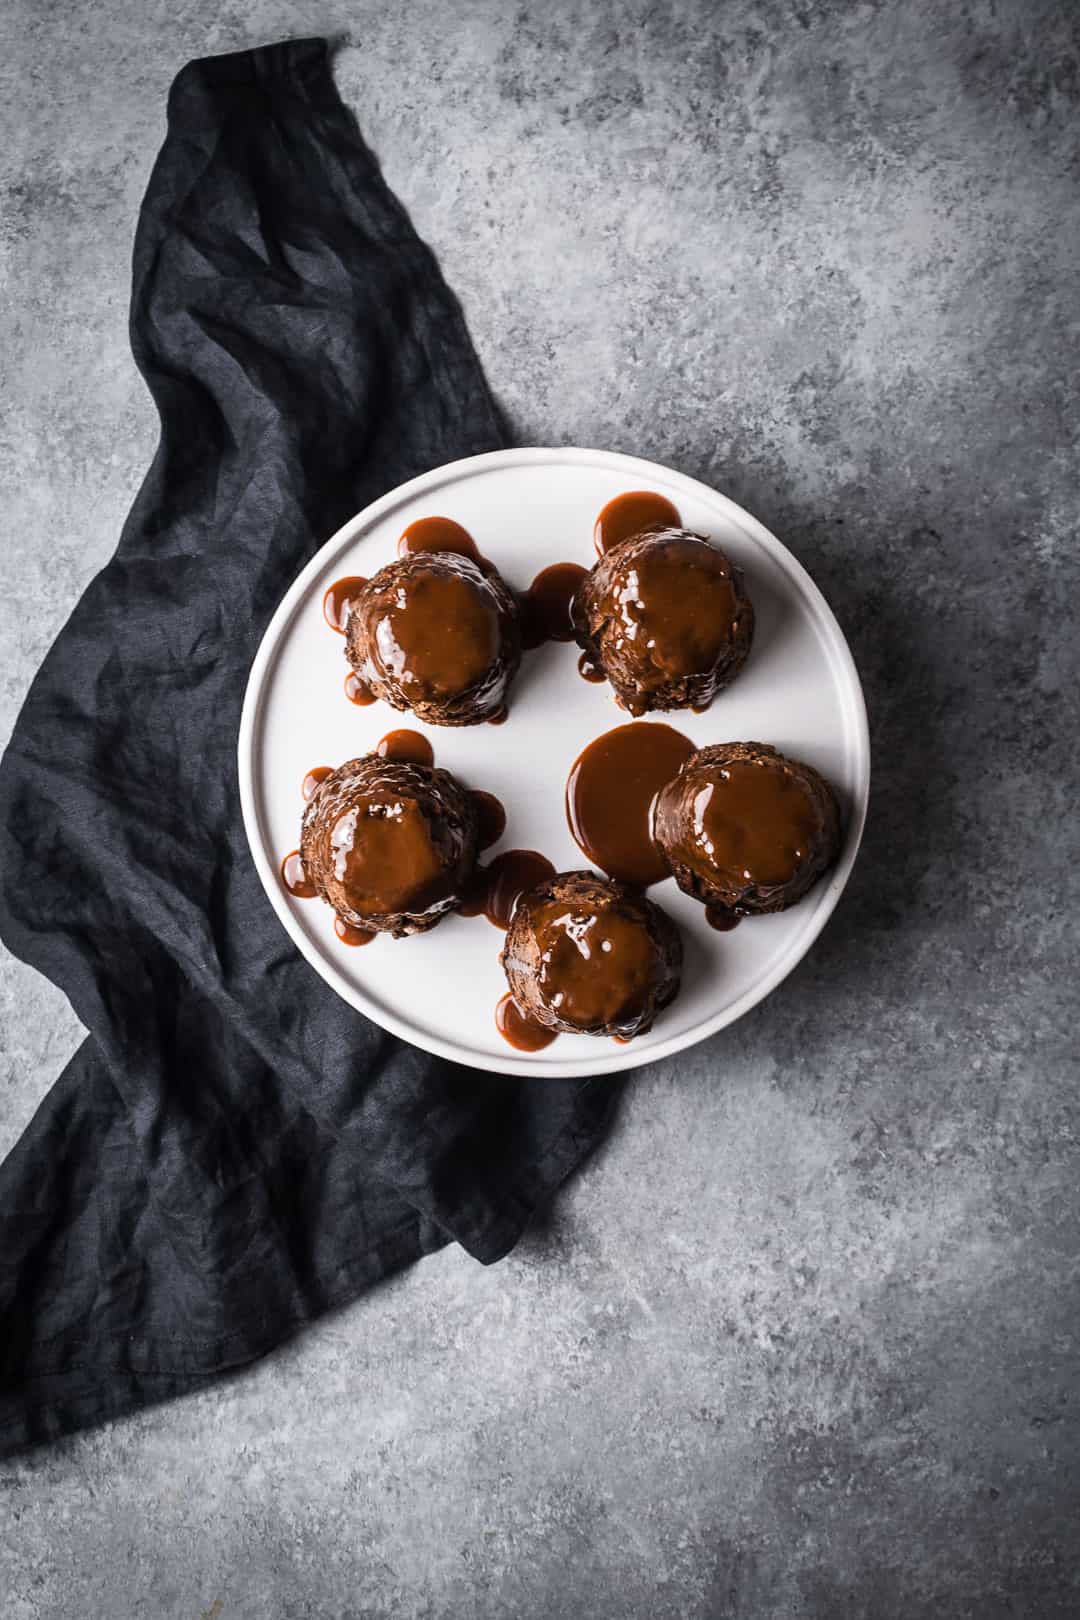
624, 1058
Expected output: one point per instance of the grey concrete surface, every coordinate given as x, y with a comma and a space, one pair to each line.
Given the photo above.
802, 1341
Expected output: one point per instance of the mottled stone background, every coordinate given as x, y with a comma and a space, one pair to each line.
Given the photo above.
803, 1339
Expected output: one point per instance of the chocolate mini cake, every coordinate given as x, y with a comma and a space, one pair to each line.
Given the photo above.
590, 956
436, 634
389, 845
664, 616
745, 829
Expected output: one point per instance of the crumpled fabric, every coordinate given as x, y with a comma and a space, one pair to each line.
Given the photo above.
233, 1150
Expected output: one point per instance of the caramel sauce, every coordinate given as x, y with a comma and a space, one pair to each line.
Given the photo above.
384, 857
491, 817
523, 1033
494, 888
295, 878
632, 513
439, 534
545, 606
336, 601
722, 918
597, 965
407, 747
441, 634
680, 602
753, 823
349, 935
609, 797
588, 670
356, 691
499, 719
317, 774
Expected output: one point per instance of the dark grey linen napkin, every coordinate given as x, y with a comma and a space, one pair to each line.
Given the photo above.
233, 1150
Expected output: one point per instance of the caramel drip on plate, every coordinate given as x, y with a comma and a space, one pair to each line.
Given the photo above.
523, 1033
408, 747
337, 600
491, 817
610, 793
349, 935
317, 774
633, 513
439, 534
545, 606
494, 888
356, 691
295, 878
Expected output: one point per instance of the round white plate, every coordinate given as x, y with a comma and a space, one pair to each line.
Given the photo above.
527, 509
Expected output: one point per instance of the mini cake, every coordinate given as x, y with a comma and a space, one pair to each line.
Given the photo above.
435, 634
389, 845
590, 956
664, 616
745, 829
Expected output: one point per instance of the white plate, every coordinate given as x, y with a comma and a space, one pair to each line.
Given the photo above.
526, 509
